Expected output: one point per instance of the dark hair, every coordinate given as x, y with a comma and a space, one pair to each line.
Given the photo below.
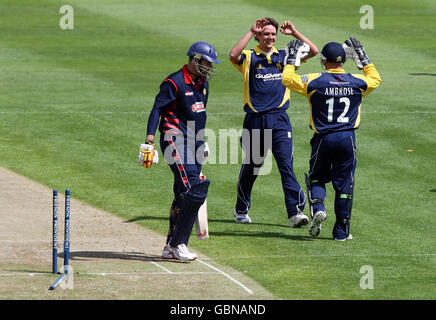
271, 22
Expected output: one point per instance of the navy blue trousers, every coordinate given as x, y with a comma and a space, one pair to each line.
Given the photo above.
181, 158
263, 132
333, 159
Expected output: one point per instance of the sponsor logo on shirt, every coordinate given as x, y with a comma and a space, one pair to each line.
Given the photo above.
189, 93
198, 107
269, 76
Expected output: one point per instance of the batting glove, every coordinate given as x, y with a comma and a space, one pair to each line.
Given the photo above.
147, 155
206, 150
202, 152
362, 59
296, 50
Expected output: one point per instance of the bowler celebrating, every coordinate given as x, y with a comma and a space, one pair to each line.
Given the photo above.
265, 104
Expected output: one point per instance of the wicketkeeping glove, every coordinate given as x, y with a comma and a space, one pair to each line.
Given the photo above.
354, 50
147, 155
296, 50
352, 55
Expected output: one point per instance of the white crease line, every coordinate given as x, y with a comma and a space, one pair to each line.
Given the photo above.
163, 268
23, 274
116, 273
227, 276
24, 241
141, 273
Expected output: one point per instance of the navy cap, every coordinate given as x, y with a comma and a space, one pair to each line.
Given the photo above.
334, 52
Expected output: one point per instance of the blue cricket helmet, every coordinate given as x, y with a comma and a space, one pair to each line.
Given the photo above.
205, 50
333, 52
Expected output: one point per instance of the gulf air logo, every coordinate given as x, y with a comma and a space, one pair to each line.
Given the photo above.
198, 107
339, 59
260, 67
269, 76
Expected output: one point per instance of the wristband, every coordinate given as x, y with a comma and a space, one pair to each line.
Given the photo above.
148, 141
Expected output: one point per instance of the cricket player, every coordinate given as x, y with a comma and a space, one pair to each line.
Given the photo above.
265, 103
181, 107
335, 99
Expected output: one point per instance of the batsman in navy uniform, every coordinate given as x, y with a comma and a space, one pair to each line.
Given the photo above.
180, 106
265, 103
335, 99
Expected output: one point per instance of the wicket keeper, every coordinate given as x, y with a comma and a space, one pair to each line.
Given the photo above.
335, 99
181, 107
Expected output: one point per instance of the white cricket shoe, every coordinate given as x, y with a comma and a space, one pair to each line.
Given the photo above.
347, 238
182, 253
315, 225
241, 217
298, 220
167, 253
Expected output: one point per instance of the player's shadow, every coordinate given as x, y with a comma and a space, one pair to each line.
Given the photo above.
232, 221
423, 74
243, 233
141, 218
267, 235
131, 256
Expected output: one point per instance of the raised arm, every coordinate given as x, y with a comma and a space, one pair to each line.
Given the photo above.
372, 77
235, 53
288, 28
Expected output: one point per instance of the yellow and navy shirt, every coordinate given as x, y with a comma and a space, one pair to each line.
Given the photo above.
334, 96
262, 73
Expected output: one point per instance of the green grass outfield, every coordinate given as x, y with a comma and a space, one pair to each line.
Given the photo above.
74, 105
